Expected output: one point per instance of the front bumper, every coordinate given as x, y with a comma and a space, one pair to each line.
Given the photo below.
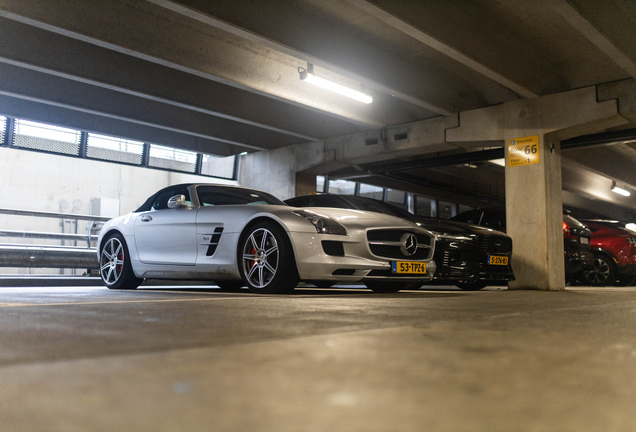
464, 261
358, 262
627, 270
576, 261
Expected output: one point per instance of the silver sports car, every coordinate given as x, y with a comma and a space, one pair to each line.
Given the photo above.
240, 237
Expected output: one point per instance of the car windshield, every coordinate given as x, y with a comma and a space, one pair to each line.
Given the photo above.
378, 207
219, 195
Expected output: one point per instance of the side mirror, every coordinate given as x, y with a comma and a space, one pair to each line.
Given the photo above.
178, 201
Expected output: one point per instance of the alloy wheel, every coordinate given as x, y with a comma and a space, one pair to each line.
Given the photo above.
112, 261
600, 273
260, 257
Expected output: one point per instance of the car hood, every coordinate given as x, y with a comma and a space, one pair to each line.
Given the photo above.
453, 227
359, 218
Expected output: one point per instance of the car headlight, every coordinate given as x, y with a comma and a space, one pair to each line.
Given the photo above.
323, 224
449, 236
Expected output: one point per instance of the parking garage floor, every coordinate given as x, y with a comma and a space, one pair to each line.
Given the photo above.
344, 359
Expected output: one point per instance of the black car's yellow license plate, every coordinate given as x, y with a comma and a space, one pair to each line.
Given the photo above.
497, 260
411, 267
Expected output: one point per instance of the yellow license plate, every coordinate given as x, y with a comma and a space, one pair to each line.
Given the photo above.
411, 267
497, 260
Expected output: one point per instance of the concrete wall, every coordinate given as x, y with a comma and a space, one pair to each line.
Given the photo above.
39, 181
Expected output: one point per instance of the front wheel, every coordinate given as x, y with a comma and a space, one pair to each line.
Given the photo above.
471, 285
385, 286
114, 264
603, 273
266, 259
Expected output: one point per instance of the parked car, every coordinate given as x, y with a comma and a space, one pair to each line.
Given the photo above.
614, 247
468, 256
244, 237
576, 237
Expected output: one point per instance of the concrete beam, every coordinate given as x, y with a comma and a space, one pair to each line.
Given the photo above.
625, 93
574, 201
419, 35
595, 184
577, 108
341, 34
587, 29
422, 137
84, 121
36, 49
154, 34
292, 52
46, 88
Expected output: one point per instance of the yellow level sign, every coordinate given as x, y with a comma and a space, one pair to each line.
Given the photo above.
523, 151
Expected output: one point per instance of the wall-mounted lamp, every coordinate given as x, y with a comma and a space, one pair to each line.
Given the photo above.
307, 75
618, 190
243, 153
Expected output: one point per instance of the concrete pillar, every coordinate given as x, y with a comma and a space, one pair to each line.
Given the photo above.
534, 213
305, 184
533, 187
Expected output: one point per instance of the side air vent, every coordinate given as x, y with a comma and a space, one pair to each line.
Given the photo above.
214, 241
333, 248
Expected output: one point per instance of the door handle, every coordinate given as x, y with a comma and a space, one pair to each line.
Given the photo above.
146, 218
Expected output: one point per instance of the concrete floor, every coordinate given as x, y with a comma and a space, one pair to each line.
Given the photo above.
194, 359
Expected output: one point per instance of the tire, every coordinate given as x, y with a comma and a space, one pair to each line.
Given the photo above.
385, 286
266, 259
115, 268
323, 284
603, 273
230, 285
472, 285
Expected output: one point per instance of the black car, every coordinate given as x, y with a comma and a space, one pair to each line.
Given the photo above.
576, 236
468, 256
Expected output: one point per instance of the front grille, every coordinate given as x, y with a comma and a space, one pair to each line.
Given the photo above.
395, 252
395, 236
388, 244
450, 257
495, 244
333, 248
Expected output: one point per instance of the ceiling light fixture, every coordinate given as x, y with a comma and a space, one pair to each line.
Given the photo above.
618, 190
307, 75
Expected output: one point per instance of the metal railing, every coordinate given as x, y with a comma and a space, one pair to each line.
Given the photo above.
20, 255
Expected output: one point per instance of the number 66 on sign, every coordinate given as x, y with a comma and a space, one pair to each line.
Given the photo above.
523, 151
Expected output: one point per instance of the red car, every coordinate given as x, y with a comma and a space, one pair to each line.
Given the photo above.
614, 248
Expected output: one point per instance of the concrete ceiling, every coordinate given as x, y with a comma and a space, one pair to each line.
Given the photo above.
222, 77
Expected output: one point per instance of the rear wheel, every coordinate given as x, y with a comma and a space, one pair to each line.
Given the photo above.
114, 264
385, 286
266, 259
603, 273
471, 285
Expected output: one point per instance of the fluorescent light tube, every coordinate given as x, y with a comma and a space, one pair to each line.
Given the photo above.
332, 86
619, 191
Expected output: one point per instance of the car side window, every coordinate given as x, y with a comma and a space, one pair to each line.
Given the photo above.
298, 202
494, 220
161, 201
